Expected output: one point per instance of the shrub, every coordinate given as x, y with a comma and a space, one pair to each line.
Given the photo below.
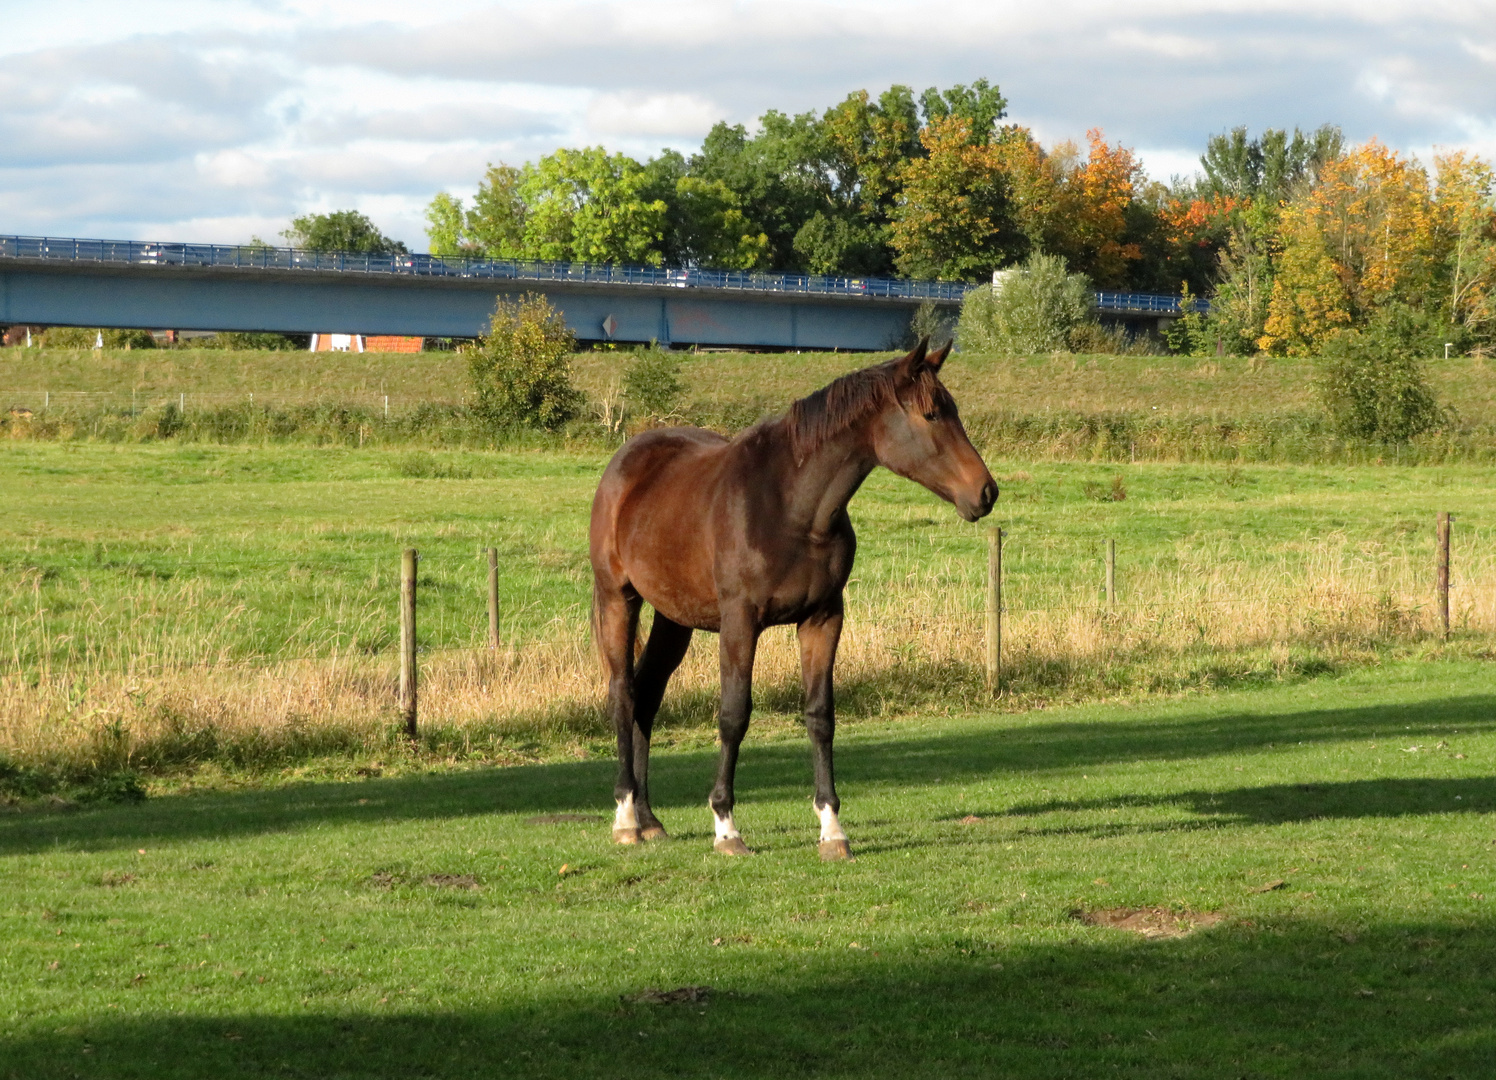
1372, 381
235, 339
930, 321
652, 381
88, 337
520, 372
1031, 309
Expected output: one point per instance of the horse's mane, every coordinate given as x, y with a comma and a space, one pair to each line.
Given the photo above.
831, 410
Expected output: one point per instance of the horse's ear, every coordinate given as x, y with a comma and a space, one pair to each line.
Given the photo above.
936, 358
912, 363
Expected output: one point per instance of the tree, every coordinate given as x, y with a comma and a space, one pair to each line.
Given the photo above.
954, 220
496, 223
1372, 381
1467, 223
1363, 237
446, 225
589, 206
520, 371
341, 230
1030, 309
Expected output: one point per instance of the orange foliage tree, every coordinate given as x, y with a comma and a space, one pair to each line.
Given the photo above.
1366, 235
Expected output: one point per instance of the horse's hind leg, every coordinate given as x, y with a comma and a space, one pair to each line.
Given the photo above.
662, 655
615, 615
818, 640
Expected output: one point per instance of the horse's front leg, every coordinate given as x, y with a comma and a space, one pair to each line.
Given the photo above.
616, 621
737, 645
819, 635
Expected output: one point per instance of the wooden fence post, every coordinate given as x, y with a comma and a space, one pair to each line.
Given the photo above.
994, 610
1442, 576
493, 598
1111, 574
408, 640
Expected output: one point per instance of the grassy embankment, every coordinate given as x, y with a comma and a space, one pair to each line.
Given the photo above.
1057, 408
1330, 846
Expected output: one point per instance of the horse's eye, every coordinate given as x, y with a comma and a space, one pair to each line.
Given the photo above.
932, 416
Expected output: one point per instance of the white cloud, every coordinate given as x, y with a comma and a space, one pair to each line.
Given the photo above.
635, 113
175, 118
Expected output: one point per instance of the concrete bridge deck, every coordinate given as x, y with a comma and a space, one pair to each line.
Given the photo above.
74, 282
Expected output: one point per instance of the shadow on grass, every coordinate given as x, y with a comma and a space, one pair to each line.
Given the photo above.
1288, 999
1278, 804
780, 769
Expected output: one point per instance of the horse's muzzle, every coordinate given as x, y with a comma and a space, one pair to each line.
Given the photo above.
983, 505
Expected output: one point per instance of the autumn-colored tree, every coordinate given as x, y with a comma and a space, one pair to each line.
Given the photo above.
1363, 237
954, 219
1099, 192
1467, 224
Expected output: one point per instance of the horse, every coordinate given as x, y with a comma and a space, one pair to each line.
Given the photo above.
735, 536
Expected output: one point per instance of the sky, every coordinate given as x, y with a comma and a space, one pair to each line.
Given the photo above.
218, 120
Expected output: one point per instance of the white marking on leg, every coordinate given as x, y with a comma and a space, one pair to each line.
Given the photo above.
830, 828
626, 818
726, 830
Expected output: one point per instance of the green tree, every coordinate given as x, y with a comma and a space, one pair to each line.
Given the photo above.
341, 230
1031, 309
589, 206
1372, 381
446, 225
981, 105
955, 219
520, 372
496, 223
709, 228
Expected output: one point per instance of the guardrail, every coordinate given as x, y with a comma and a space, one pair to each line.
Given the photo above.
149, 253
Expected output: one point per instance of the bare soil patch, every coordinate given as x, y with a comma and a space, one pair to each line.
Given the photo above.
679, 996
565, 819
1154, 922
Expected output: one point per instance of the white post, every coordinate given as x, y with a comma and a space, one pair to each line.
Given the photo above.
386, 406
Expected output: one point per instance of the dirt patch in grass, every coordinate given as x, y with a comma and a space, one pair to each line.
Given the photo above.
453, 881
566, 819
1154, 922
679, 996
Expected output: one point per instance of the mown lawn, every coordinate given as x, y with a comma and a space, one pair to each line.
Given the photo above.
439, 925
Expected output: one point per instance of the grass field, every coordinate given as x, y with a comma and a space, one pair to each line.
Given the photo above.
1329, 845
1227, 386
174, 608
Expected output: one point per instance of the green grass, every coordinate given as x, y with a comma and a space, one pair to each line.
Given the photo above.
237, 552
296, 931
1227, 386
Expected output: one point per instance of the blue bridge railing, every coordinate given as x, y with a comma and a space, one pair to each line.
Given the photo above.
149, 253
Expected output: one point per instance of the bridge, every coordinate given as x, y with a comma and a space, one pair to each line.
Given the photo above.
49, 281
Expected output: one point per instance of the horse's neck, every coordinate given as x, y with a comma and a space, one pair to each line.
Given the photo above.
821, 487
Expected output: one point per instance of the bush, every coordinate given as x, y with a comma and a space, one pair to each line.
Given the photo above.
1372, 381
1033, 309
236, 340
652, 381
930, 321
87, 337
520, 372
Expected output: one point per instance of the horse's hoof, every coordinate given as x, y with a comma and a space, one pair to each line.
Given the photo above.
625, 836
732, 845
654, 832
835, 851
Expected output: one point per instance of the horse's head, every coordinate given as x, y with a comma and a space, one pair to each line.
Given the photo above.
923, 439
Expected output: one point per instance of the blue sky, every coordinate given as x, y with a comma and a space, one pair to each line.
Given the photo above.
217, 120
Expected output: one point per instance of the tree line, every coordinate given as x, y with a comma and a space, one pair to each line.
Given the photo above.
1292, 236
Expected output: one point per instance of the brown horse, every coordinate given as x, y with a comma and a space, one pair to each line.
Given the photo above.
736, 536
